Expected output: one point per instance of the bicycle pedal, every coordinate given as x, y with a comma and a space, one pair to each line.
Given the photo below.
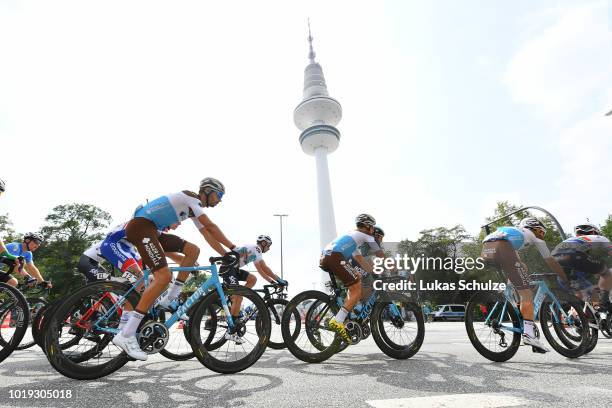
537, 350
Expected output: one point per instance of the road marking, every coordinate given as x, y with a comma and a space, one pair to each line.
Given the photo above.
476, 400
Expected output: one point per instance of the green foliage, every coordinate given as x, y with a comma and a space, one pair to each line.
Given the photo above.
7, 233
606, 229
69, 230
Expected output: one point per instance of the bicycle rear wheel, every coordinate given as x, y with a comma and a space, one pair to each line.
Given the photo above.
570, 335
305, 334
35, 306
178, 347
15, 315
276, 308
93, 356
253, 334
493, 326
394, 332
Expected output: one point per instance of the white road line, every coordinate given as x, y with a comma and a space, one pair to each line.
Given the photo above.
476, 400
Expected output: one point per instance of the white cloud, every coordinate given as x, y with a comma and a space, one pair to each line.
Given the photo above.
566, 63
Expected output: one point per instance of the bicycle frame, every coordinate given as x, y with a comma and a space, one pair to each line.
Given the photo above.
510, 294
214, 281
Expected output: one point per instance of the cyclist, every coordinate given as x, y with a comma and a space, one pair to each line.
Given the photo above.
162, 214
233, 275
500, 249
335, 258
3, 252
31, 242
367, 279
585, 255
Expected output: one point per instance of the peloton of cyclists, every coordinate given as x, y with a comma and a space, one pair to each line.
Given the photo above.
233, 275
500, 249
336, 257
162, 214
587, 255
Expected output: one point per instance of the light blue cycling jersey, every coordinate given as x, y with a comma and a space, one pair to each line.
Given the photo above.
16, 249
171, 209
348, 244
519, 238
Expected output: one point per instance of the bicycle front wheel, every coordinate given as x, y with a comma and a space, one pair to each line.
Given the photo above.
570, 335
493, 326
398, 328
15, 315
304, 327
241, 348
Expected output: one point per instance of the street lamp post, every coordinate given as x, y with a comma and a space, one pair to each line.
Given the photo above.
280, 217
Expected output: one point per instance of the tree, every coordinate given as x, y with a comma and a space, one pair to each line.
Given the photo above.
606, 229
69, 230
7, 233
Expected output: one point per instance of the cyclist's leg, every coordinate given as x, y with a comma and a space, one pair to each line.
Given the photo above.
143, 234
336, 263
241, 276
174, 244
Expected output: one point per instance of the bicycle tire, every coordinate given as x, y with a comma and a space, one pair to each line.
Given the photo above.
385, 343
60, 359
262, 332
12, 300
569, 350
33, 314
488, 300
276, 320
309, 326
594, 329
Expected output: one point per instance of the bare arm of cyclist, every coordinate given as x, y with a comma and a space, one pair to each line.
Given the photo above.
363, 263
215, 233
33, 271
265, 271
214, 244
556, 268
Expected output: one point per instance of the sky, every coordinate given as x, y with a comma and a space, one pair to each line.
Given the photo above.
448, 107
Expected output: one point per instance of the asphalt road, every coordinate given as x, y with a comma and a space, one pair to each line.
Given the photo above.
447, 372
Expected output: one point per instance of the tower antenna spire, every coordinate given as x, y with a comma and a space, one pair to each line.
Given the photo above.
311, 54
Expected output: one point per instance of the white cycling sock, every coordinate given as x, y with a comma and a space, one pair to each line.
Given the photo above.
529, 328
172, 293
341, 315
129, 330
125, 316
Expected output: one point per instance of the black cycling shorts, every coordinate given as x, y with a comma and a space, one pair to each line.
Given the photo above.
579, 261
5, 277
92, 270
232, 276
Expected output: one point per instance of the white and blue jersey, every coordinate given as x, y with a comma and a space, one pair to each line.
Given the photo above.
519, 238
16, 249
117, 250
349, 245
171, 209
248, 253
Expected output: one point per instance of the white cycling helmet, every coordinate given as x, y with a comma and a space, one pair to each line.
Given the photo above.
264, 238
365, 220
533, 223
33, 236
213, 184
587, 229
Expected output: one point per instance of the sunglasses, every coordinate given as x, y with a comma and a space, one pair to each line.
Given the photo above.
219, 194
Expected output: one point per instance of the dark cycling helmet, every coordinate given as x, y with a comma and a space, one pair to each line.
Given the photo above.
365, 220
264, 238
379, 231
533, 223
587, 229
213, 184
34, 236
2, 186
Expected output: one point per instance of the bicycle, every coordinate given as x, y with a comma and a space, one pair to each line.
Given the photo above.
490, 316
95, 311
36, 297
384, 315
15, 317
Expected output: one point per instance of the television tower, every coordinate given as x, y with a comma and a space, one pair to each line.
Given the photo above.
316, 116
